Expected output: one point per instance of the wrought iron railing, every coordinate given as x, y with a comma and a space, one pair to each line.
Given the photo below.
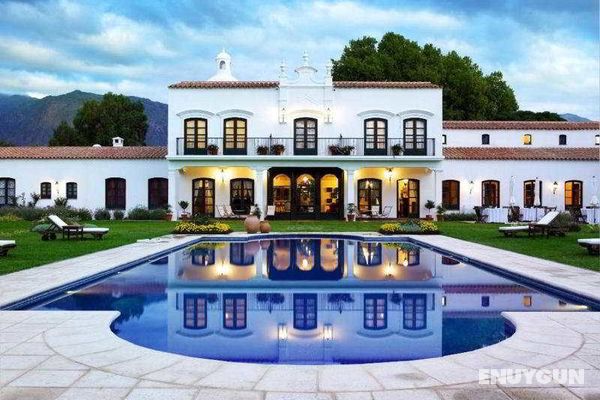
322, 146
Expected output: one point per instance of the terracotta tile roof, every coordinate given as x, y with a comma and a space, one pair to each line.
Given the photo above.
225, 85
485, 289
68, 153
384, 85
523, 125
516, 153
275, 84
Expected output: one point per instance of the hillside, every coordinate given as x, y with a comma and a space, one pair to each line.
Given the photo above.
26, 120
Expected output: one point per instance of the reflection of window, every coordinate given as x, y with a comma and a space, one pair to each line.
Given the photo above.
282, 193
485, 301
158, 193
449, 261
527, 301
305, 311
368, 254
408, 257
573, 194
71, 190
238, 254
306, 193
305, 254
234, 311
415, 311
282, 256
203, 257
530, 192
330, 254
375, 311
369, 195
490, 194
7, 192
194, 311
451, 194
329, 194
241, 195
45, 190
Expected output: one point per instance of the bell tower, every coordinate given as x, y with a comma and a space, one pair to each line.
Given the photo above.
223, 61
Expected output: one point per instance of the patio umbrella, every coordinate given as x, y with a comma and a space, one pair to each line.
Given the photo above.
537, 194
511, 190
594, 202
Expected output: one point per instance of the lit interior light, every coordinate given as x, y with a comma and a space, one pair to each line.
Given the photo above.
388, 174
327, 332
222, 175
389, 270
282, 332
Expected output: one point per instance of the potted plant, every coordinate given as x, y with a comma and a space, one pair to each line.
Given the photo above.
351, 212
262, 150
429, 204
252, 221
265, 226
397, 149
340, 299
337, 150
277, 149
184, 205
440, 211
213, 149
169, 213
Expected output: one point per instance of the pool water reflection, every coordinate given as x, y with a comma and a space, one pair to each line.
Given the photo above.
309, 301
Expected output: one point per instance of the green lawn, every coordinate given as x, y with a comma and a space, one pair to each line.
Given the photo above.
32, 251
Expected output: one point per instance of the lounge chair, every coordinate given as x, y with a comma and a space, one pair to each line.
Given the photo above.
577, 215
514, 214
543, 226
222, 212
69, 231
480, 217
6, 245
592, 245
230, 214
384, 214
270, 211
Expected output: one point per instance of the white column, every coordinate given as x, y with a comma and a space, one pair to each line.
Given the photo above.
349, 188
350, 249
260, 189
173, 199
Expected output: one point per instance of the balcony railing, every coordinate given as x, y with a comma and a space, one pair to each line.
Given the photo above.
322, 146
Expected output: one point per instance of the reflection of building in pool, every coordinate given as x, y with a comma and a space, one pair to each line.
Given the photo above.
384, 302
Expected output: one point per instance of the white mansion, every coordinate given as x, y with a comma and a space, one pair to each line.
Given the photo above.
310, 146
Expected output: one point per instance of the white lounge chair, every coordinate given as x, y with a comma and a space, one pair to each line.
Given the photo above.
68, 231
270, 211
384, 214
222, 212
592, 245
543, 226
230, 214
6, 245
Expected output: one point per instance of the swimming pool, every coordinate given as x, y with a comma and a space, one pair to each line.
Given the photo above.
309, 300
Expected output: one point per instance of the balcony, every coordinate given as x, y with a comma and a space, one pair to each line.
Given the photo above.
321, 147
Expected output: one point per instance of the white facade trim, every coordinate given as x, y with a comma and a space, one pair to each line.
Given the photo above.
234, 112
195, 114
376, 113
415, 114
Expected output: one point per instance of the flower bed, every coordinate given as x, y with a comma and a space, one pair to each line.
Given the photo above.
413, 227
193, 228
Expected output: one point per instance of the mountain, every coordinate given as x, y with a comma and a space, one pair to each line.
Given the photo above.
26, 120
573, 118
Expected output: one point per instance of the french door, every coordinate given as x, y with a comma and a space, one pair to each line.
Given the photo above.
415, 137
203, 196
408, 198
305, 137
375, 137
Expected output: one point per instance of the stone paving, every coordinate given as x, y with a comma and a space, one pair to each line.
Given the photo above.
75, 355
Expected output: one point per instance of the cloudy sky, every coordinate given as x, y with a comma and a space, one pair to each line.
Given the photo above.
548, 50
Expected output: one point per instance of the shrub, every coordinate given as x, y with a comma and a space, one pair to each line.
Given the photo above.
60, 202
157, 214
84, 214
200, 219
10, 218
409, 227
138, 213
118, 215
460, 217
565, 220
193, 228
262, 150
273, 298
102, 214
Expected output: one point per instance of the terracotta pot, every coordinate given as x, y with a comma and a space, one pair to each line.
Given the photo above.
265, 227
351, 217
252, 224
168, 216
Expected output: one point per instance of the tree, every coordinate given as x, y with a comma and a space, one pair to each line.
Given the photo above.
468, 93
4, 143
66, 135
97, 122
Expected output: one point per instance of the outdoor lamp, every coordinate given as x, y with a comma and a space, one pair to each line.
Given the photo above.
388, 174
282, 331
222, 175
327, 332
282, 115
471, 186
328, 115
554, 187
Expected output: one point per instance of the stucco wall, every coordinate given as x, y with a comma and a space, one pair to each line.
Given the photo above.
514, 138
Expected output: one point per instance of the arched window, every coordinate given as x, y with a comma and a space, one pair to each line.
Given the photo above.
451, 194
330, 194
573, 194
408, 198
527, 139
369, 254
115, 189
532, 193
203, 196
71, 190
7, 192
415, 136
239, 254
203, 257
369, 195
408, 257
375, 136
306, 193
490, 193
195, 136
305, 136
241, 195
282, 193
194, 311
45, 190
562, 140
222, 65
158, 193
235, 138
485, 139
375, 311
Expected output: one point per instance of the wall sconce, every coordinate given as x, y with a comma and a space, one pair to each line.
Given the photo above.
443, 301
389, 271
388, 174
471, 187
327, 332
282, 115
554, 187
182, 170
328, 116
222, 175
222, 270
282, 332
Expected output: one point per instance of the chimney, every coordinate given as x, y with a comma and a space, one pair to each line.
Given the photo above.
117, 141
